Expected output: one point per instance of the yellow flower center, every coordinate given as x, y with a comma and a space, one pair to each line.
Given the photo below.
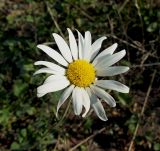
81, 73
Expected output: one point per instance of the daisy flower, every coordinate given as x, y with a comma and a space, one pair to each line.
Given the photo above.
79, 69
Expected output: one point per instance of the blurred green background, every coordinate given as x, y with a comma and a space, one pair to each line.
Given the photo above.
29, 123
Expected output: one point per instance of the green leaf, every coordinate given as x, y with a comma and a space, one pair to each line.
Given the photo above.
4, 116
31, 110
15, 146
56, 96
24, 132
132, 122
156, 147
19, 87
29, 18
152, 27
124, 99
88, 123
29, 67
149, 136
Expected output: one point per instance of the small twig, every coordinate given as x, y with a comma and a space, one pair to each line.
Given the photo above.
55, 147
65, 113
131, 45
145, 58
123, 5
148, 92
88, 138
53, 18
125, 42
48, 43
140, 16
124, 31
146, 65
142, 111
83, 12
110, 24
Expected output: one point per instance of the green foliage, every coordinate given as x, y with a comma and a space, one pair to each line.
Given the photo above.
156, 146
15, 146
4, 116
124, 99
131, 123
19, 87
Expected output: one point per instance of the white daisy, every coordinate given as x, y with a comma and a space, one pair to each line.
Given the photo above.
78, 71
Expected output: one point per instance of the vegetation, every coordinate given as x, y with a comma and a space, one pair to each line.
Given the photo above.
29, 123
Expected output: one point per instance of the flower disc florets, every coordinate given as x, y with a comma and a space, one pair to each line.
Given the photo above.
81, 73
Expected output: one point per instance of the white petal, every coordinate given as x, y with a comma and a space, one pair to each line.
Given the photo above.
52, 87
112, 85
73, 45
110, 50
96, 46
110, 60
53, 54
111, 71
99, 110
52, 66
85, 102
97, 105
63, 47
80, 44
87, 46
53, 78
77, 100
64, 97
103, 95
45, 70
